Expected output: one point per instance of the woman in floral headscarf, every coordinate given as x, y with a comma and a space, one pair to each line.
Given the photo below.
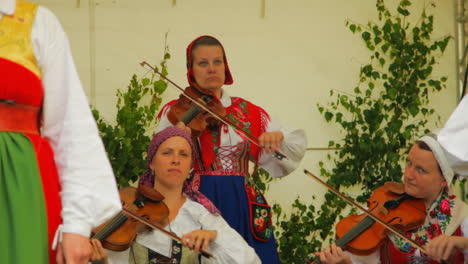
444, 234
191, 216
223, 154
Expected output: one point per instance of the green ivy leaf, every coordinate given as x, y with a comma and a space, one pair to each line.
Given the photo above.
413, 109
365, 35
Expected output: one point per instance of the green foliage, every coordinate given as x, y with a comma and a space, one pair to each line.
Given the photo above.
462, 185
127, 140
296, 239
260, 179
380, 120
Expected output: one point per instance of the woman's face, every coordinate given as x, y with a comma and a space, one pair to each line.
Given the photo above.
208, 67
172, 162
422, 177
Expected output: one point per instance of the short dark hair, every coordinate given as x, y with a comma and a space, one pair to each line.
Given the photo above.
206, 41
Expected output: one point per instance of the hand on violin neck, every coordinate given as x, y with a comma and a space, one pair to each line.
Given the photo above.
181, 125
99, 255
271, 141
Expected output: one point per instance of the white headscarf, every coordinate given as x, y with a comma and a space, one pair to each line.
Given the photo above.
440, 155
460, 209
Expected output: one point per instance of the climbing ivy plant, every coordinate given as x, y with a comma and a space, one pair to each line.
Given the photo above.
388, 109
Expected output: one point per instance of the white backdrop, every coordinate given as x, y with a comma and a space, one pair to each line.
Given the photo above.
285, 62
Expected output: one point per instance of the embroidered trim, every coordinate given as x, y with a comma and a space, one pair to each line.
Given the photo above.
221, 173
439, 218
259, 214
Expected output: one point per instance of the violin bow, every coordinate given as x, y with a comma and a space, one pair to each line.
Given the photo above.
170, 234
371, 215
249, 137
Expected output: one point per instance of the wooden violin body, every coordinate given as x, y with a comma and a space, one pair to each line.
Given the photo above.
118, 233
192, 115
362, 236
393, 209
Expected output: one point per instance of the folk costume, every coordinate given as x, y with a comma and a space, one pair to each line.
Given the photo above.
156, 247
448, 215
54, 173
196, 213
222, 165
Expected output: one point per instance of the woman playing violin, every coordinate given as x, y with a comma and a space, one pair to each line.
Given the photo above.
191, 216
444, 234
223, 153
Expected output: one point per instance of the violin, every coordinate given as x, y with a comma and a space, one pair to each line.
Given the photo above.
359, 233
215, 110
142, 207
118, 233
389, 205
193, 115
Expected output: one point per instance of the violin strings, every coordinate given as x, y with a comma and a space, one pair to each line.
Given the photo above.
370, 214
113, 224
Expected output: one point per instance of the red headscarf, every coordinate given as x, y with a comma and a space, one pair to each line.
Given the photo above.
228, 79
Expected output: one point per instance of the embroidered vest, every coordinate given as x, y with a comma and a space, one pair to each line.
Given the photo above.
250, 119
21, 76
15, 36
211, 156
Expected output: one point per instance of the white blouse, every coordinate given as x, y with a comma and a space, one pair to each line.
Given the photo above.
89, 191
293, 146
228, 247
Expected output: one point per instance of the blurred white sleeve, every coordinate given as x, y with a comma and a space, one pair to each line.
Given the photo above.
454, 138
89, 191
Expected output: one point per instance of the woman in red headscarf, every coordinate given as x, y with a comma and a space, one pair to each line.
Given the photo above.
223, 154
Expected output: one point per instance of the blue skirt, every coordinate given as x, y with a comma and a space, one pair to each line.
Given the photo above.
227, 192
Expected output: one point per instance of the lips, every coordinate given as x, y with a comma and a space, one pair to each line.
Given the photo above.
174, 170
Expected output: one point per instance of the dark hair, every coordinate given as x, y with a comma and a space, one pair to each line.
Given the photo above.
423, 145
205, 41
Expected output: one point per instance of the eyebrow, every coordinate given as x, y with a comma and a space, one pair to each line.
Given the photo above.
173, 149
213, 58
